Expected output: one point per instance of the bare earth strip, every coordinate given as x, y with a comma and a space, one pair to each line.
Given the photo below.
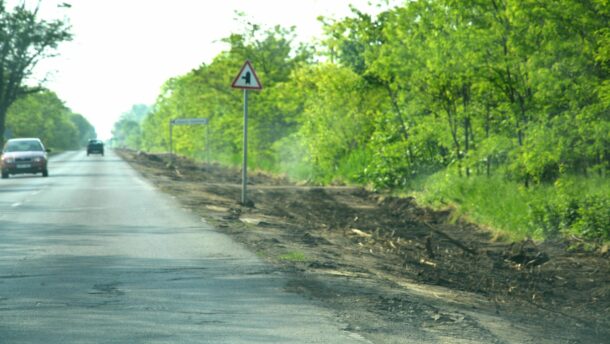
381, 262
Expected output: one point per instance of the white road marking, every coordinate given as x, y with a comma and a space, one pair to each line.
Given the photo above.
15, 205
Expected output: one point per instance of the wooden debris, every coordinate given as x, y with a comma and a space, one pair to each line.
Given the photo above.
253, 221
451, 240
360, 233
218, 209
427, 262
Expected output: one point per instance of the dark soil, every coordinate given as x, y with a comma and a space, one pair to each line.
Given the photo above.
383, 261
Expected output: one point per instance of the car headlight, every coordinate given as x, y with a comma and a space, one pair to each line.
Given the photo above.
8, 160
37, 159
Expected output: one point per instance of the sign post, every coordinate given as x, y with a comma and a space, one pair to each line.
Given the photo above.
207, 144
171, 145
244, 169
246, 79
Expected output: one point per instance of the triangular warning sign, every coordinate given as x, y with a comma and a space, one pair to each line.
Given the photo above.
247, 78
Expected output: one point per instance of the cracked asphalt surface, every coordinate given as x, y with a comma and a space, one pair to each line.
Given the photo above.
94, 254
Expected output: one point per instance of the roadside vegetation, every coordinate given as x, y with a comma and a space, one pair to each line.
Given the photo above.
44, 115
499, 109
295, 256
27, 109
574, 207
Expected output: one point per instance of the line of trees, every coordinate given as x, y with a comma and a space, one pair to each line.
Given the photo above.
33, 111
126, 131
519, 87
44, 115
25, 39
516, 88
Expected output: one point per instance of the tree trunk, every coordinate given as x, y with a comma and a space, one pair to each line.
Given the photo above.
487, 129
3, 112
401, 122
453, 127
467, 141
467, 124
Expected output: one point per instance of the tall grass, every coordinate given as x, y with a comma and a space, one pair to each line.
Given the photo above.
506, 206
490, 201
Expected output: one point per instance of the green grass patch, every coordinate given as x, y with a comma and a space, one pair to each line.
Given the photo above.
350, 168
294, 256
572, 205
492, 202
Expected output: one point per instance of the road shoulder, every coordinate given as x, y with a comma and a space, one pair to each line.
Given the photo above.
393, 271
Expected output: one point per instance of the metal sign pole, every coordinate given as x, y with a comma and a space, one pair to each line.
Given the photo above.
244, 171
246, 79
171, 146
207, 143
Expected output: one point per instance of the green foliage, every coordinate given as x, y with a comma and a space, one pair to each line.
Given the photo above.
24, 41
574, 207
205, 92
85, 130
336, 120
294, 256
593, 220
492, 201
498, 100
127, 131
45, 116
292, 158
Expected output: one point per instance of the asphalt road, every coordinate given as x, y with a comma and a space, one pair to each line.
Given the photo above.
94, 254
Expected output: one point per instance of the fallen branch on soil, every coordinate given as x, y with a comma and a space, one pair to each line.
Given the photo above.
427, 262
451, 240
360, 233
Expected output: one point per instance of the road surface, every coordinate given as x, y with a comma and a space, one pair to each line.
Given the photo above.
94, 254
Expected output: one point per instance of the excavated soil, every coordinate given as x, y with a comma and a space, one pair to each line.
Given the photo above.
395, 272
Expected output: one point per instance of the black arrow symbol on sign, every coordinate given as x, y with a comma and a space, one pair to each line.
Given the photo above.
247, 78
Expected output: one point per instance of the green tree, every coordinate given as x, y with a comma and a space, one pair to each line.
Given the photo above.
515, 88
127, 131
44, 115
206, 92
24, 41
85, 129
336, 120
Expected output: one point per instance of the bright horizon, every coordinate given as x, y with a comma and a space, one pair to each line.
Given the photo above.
124, 50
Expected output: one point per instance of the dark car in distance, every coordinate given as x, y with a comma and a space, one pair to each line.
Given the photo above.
95, 146
24, 155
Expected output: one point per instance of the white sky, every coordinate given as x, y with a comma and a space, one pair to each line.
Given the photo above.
124, 50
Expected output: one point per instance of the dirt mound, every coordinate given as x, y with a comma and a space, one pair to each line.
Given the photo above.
348, 231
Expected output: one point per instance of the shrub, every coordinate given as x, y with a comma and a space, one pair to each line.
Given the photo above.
593, 221
583, 216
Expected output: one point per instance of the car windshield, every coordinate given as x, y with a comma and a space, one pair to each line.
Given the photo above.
23, 146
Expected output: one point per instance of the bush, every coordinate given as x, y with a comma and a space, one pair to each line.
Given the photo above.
571, 213
571, 206
593, 220
546, 218
490, 201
